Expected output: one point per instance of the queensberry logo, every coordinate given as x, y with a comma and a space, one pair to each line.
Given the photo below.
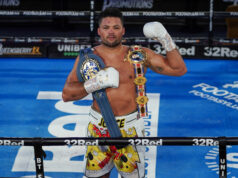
34, 50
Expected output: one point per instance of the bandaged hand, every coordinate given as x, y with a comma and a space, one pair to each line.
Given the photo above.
108, 77
157, 31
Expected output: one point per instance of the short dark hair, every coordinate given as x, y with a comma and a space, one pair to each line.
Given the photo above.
110, 12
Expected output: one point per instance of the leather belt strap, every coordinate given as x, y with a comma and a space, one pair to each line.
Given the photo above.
137, 57
89, 65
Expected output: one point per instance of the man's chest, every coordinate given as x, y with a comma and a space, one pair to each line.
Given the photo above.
125, 69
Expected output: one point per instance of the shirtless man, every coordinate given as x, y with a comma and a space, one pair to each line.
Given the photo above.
118, 80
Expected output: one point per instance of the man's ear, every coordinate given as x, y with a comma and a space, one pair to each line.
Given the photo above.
123, 31
98, 31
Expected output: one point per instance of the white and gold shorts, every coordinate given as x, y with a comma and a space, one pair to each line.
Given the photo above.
129, 161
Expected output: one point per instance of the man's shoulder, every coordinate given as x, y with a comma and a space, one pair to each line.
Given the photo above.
97, 47
146, 49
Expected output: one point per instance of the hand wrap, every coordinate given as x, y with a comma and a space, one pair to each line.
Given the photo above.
108, 77
157, 31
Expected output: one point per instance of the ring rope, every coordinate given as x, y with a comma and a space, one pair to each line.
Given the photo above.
143, 141
147, 14
38, 142
138, 40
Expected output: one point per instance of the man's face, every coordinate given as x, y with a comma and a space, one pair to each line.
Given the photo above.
111, 31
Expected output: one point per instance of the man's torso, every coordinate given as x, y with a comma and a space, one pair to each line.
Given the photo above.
123, 98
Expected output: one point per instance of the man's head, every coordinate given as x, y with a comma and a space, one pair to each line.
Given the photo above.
111, 12
111, 28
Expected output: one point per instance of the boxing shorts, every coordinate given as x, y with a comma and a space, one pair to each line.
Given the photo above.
129, 161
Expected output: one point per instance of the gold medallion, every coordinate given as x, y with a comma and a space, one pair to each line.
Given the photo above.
89, 68
140, 80
142, 99
136, 55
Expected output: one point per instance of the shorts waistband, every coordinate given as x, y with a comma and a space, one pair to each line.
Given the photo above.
128, 118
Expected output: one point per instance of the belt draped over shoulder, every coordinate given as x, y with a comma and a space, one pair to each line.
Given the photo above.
89, 65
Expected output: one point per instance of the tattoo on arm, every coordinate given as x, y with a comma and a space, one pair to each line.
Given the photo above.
160, 69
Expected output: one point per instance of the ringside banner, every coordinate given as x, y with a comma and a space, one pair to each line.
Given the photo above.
70, 48
202, 51
186, 50
134, 5
65, 50
23, 50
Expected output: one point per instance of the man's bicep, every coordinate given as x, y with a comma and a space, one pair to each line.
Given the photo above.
156, 62
72, 77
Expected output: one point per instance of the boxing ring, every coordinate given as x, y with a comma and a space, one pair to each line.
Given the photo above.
201, 129
37, 143
192, 120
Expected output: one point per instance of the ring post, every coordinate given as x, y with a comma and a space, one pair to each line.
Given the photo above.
92, 22
39, 154
222, 158
211, 16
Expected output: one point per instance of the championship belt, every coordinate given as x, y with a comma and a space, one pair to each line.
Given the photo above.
89, 65
137, 57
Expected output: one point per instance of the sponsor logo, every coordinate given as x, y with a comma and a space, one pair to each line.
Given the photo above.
131, 13
189, 14
37, 13
35, 40
187, 51
81, 142
216, 95
191, 41
146, 142
190, 51
157, 13
39, 164
232, 85
12, 143
220, 52
196, 50
212, 161
69, 13
21, 40
235, 1
140, 4
66, 40
55, 40
8, 3
35, 50
9, 13
205, 142
71, 50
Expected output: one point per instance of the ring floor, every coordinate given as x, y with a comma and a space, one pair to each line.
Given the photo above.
204, 102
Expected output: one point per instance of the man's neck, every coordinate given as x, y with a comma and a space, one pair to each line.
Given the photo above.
111, 49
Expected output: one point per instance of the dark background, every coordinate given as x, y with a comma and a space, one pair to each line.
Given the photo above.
79, 26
